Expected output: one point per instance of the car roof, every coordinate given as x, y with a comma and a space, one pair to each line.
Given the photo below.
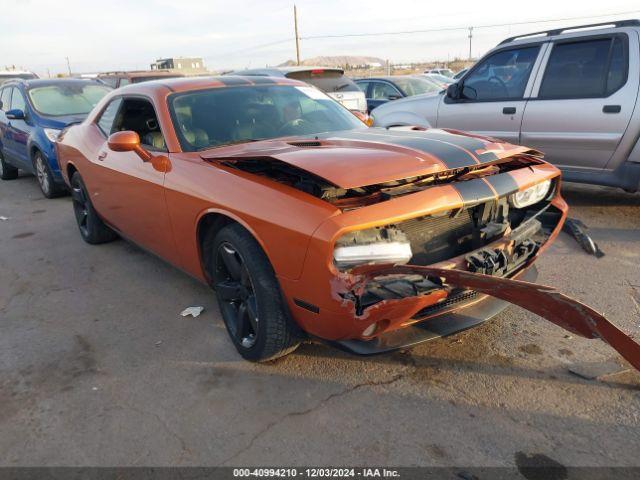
45, 82
282, 71
389, 78
185, 84
141, 73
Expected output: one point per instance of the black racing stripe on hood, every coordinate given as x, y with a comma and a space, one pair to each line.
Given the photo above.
449, 154
503, 183
233, 81
474, 192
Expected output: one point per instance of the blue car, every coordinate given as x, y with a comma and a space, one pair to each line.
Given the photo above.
32, 114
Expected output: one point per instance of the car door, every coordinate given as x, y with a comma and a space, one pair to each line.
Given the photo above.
127, 191
19, 131
582, 102
5, 138
382, 92
494, 94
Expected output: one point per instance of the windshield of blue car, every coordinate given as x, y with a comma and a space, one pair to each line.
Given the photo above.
223, 116
66, 99
416, 86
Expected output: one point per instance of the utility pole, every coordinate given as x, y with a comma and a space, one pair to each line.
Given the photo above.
68, 65
295, 24
470, 37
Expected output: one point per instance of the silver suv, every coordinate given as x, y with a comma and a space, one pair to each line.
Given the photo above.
571, 93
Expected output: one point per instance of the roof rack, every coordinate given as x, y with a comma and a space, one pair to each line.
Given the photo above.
558, 31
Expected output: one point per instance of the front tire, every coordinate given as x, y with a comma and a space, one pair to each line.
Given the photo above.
92, 228
249, 297
50, 189
7, 172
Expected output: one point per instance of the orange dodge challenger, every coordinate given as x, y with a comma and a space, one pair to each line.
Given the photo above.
306, 222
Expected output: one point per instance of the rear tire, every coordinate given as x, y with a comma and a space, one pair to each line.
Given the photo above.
252, 306
7, 172
50, 189
92, 228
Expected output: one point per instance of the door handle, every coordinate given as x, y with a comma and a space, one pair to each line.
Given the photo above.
509, 110
102, 156
611, 109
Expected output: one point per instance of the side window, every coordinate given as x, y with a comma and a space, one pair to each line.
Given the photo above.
138, 115
111, 81
383, 91
502, 76
123, 82
105, 122
583, 69
17, 100
5, 97
363, 86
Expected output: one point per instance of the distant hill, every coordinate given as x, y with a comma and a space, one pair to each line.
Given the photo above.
337, 61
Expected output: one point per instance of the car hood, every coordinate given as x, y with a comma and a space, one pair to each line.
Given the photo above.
357, 158
61, 121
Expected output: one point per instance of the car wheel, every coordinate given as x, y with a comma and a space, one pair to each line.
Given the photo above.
92, 228
49, 187
249, 297
7, 172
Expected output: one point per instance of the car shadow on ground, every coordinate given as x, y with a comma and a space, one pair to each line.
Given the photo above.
427, 366
580, 195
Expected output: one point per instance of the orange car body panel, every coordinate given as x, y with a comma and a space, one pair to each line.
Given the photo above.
159, 204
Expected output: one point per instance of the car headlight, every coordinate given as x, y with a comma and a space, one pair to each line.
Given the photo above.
531, 195
52, 133
374, 245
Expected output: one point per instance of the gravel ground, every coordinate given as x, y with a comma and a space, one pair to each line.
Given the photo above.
98, 368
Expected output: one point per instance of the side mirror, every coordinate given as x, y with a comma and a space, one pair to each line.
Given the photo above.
128, 141
15, 114
454, 91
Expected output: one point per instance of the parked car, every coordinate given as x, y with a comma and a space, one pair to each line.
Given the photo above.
120, 79
6, 75
379, 90
441, 80
571, 93
332, 81
460, 74
445, 72
305, 221
32, 114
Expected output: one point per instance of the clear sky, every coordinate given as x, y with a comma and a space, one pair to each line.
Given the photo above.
119, 34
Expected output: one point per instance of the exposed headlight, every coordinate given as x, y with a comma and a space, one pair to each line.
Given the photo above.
52, 133
374, 245
531, 195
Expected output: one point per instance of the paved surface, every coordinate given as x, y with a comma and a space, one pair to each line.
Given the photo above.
98, 368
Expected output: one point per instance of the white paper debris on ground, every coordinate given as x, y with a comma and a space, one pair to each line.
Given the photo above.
4, 219
193, 311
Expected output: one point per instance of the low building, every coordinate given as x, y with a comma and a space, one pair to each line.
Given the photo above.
185, 65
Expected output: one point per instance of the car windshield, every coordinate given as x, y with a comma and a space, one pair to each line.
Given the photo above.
67, 99
326, 80
416, 86
222, 116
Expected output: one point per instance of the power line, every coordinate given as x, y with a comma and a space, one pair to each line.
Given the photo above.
450, 29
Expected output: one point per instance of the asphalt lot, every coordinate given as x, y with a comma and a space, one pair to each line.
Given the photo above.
97, 367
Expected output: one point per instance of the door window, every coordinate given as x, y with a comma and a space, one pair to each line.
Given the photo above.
138, 115
5, 97
17, 100
383, 91
363, 86
586, 69
501, 76
108, 116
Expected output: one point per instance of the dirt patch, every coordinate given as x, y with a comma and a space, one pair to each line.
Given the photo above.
23, 235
